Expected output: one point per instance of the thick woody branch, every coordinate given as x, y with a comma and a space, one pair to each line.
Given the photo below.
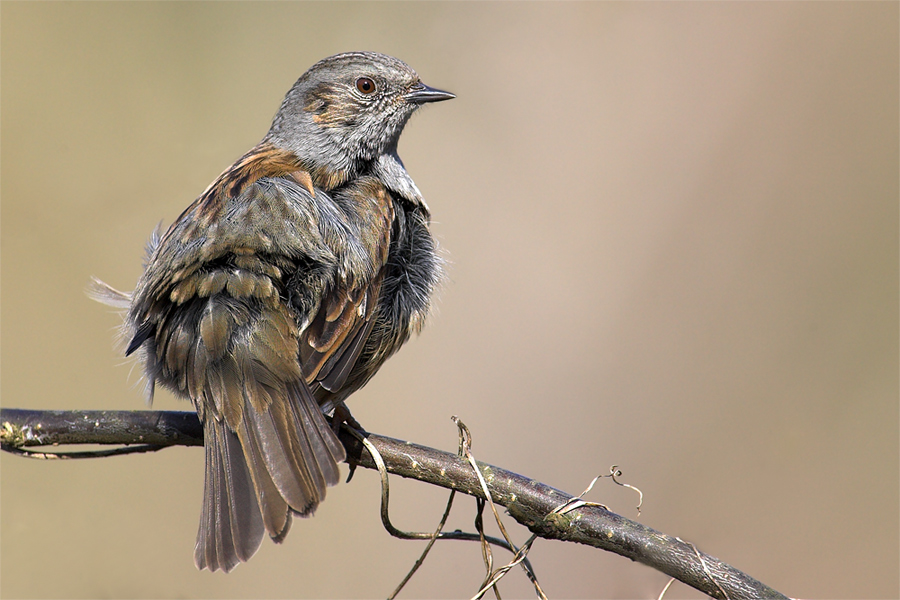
529, 502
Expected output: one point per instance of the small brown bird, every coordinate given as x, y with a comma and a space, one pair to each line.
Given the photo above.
282, 289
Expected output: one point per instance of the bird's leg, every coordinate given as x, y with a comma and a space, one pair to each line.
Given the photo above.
341, 416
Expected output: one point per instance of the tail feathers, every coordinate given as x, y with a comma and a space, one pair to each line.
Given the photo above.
319, 436
231, 525
106, 294
275, 514
293, 449
277, 463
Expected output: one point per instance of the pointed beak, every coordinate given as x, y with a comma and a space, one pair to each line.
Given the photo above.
421, 93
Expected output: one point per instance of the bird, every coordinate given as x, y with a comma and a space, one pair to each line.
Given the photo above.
282, 289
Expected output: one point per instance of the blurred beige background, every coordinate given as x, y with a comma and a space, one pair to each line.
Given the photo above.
673, 231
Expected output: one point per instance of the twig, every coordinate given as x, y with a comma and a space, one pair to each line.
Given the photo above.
665, 589
432, 537
492, 577
143, 448
427, 549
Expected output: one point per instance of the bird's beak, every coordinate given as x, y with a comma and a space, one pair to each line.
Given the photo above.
421, 93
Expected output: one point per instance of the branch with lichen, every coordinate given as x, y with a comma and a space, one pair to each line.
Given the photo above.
547, 512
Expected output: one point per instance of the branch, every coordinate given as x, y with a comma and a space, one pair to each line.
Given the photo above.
529, 502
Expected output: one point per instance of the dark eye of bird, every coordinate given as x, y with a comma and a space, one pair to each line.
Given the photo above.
365, 85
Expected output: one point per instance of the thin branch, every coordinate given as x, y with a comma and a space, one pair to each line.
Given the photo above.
37, 455
531, 503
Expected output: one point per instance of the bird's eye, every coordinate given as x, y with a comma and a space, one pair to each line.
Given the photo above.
365, 85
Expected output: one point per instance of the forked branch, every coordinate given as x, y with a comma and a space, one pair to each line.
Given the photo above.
531, 503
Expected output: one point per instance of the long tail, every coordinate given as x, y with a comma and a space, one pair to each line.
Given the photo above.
278, 463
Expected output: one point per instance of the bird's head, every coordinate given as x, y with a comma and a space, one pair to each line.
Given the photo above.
348, 110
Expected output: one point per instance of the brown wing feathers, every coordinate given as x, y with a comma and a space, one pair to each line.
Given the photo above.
333, 341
